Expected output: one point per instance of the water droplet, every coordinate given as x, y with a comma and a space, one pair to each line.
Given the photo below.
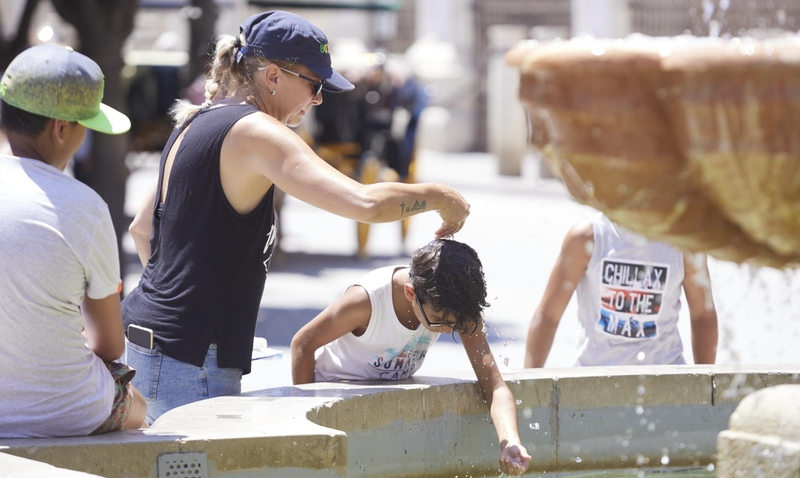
640, 460
651, 427
505, 361
625, 444
527, 412
714, 28
505, 344
533, 426
640, 356
711, 467
519, 402
639, 409
578, 459
747, 49
641, 390
708, 10
665, 460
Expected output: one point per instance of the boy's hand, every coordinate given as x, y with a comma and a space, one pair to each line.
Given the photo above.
514, 459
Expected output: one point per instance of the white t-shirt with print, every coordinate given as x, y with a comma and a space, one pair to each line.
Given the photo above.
386, 350
629, 300
57, 244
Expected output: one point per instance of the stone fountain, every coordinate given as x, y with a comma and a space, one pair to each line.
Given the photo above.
690, 141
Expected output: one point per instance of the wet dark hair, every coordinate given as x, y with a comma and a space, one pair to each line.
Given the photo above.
448, 275
15, 120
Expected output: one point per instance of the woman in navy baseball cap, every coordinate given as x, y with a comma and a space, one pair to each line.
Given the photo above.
207, 229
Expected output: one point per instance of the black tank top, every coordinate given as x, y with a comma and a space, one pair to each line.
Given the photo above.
208, 263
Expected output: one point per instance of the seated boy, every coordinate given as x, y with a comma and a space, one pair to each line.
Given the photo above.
382, 327
59, 267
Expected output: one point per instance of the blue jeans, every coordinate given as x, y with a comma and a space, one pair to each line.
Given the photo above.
167, 383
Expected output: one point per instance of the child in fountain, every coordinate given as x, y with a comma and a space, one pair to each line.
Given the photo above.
383, 325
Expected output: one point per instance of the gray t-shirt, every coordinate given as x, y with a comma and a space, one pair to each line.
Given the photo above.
629, 300
57, 244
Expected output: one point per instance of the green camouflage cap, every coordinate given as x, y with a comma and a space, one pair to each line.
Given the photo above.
57, 82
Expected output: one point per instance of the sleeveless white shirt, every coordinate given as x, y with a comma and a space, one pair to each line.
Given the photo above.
386, 351
629, 299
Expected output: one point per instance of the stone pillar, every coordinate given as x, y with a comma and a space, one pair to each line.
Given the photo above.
507, 125
442, 58
764, 436
601, 18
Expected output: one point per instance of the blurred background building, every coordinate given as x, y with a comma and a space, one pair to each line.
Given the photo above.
450, 44
431, 73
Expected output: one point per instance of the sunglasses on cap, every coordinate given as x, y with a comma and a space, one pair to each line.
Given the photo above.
317, 84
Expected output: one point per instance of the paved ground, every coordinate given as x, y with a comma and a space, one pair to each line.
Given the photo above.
517, 225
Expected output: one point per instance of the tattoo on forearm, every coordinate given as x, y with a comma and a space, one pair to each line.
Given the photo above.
418, 206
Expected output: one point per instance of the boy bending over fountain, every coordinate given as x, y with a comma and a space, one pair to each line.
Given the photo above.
383, 325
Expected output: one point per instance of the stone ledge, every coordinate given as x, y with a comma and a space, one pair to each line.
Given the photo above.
14, 466
311, 430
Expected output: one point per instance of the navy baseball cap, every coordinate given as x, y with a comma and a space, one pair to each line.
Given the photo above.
285, 36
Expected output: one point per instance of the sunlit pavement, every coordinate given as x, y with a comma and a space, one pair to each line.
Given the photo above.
516, 225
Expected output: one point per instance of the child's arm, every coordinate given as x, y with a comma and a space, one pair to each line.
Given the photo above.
513, 458
351, 312
576, 252
102, 322
697, 287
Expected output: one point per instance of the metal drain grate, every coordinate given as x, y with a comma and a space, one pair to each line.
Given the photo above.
183, 465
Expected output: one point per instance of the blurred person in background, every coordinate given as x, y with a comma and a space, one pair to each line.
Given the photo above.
629, 299
59, 268
206, 231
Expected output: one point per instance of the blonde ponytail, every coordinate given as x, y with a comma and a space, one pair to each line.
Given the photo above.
226, 78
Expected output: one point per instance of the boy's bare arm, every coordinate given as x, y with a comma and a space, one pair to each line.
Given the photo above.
576, 251
697, 287
349, 313
514, 458
102, 323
